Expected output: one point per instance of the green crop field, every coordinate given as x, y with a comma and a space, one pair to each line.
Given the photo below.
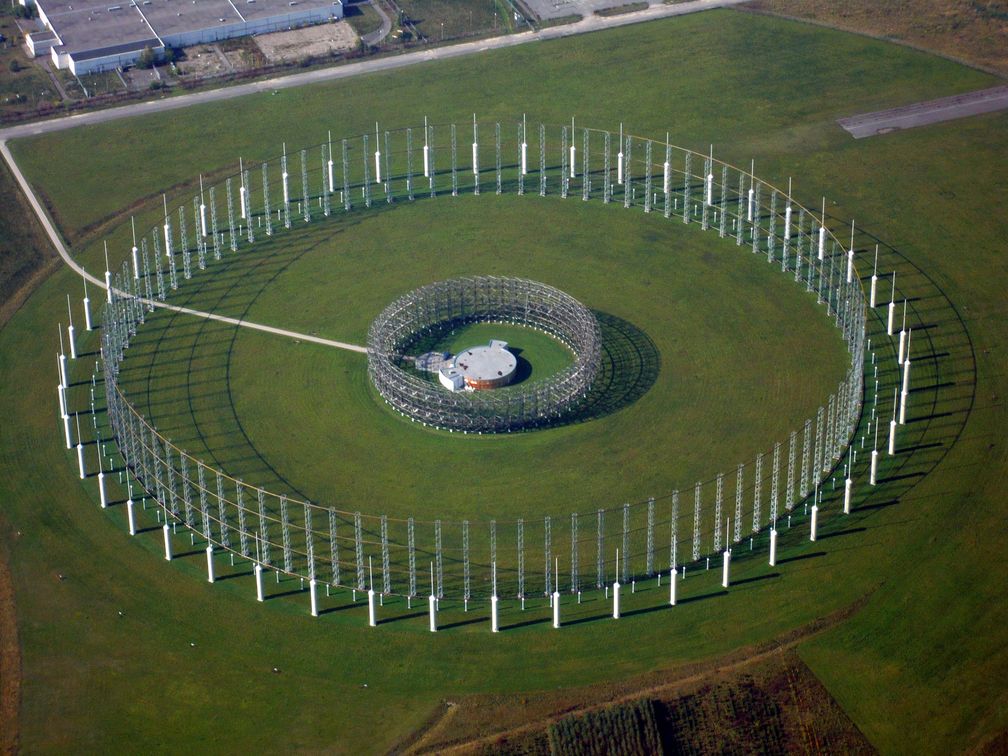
121, 650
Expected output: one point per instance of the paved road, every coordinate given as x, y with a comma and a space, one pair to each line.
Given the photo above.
589, 24
381, 32
924, 113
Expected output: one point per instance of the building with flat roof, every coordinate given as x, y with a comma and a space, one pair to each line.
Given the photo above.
101, 35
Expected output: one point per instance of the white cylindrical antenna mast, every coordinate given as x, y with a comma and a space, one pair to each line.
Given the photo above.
874, 281
475, 148
70, 331
850, 255
284, 177
242, 192
524, 146
332, 187
709, 180
667, 167
573, 152
822, 232
426, 150
377, 156
751, 208
108, 276
135, 252
202, 208
87, 309
892, 307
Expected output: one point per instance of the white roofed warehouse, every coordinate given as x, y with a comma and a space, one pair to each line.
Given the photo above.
101, 35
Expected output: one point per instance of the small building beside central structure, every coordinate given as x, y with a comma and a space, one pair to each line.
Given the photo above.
480, 368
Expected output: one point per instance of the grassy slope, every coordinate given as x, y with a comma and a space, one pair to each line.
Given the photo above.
888, 666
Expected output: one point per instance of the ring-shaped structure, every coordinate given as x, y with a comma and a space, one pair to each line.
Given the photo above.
444, 305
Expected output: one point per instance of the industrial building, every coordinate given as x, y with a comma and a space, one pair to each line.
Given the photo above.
87, 36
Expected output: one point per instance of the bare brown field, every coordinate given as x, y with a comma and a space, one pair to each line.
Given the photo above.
972, 31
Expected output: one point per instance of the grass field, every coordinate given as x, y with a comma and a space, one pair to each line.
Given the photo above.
919, 668
701, 305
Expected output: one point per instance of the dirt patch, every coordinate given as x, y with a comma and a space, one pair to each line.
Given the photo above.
203, 60
308, 42
972, 31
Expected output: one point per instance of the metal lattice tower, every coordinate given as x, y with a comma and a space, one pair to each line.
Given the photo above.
347, 204
599, 546
627, 183
585, 169
493, 542
409, 164
799, 244
248, 202
263, 527
232, 236
704, 204
225, 530
819, 456
476, 157
213, 224
774, 482
772, 227
497, 145
288, 552
667, 181
647, 176
366, 188
521, 559
789, 491
326, 194
564, 180
757, 185
184, 242
430, 162
739, 480
147, 276
200, 240
334, 564
718, 502
687, 178
606, 180
439, 559
723, 220
309, 541
696, 522
757, 494
186, 489
828, 450
626, 544
805, 483
388, 174
740, 213
542, 160
575, 563
359, 545
454, 163
305, 194
204, 507
521, 173
649, 553
548, 555
674, 532
243, 531
411, 548
386, 574
465, 559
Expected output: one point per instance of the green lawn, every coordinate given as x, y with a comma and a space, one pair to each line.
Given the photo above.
920, 668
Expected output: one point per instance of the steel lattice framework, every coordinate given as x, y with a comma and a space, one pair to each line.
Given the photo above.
445, 305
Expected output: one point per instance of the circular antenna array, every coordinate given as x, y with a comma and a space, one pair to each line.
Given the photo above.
441, 307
